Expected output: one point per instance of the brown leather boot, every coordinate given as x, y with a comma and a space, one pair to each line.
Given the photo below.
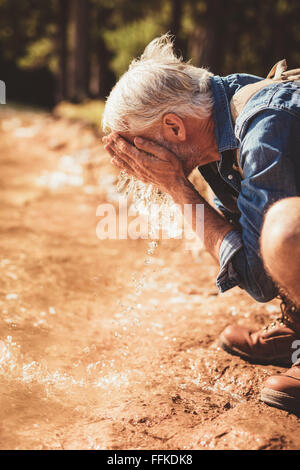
283, 390
270, 345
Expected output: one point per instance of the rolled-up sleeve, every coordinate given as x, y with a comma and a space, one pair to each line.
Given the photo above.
266, 156
243, 267
228, 277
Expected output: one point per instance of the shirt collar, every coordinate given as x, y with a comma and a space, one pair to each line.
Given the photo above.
225, 136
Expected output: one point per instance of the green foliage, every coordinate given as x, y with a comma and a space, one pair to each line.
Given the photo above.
39, 53
226, 35
129, 41
89, 111
23, 22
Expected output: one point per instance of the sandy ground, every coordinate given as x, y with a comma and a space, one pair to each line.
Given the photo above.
98, 348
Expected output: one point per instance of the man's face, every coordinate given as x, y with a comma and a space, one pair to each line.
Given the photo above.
191, 139
188, 152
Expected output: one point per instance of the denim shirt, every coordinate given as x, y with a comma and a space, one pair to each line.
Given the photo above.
267, 135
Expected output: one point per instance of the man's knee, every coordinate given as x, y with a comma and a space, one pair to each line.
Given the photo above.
280, 238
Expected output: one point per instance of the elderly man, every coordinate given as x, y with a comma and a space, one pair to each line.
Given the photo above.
167, 117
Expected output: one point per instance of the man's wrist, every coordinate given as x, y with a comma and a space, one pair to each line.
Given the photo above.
184, 191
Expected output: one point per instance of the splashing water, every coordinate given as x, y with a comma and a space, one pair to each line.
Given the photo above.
141, 191
162, 213
159, 207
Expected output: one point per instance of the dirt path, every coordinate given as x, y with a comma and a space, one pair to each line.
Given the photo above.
98, 349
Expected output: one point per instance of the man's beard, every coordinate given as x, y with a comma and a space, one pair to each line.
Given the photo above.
188, 154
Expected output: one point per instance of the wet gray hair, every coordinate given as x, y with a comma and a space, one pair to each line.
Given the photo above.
157, 83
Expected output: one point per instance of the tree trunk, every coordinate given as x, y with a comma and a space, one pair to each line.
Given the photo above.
175, 26
209, 36
79, 61
62, 50
107, 77
213, 47
176, 15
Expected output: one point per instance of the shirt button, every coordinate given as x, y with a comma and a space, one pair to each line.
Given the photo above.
230, 177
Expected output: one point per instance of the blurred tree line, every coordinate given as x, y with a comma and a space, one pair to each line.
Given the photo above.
76, 49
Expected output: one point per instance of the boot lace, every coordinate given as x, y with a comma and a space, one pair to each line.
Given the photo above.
290, 314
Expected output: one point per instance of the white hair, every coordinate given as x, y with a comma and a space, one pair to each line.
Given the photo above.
157, 83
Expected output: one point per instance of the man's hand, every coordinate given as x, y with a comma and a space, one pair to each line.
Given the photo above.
146, 161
